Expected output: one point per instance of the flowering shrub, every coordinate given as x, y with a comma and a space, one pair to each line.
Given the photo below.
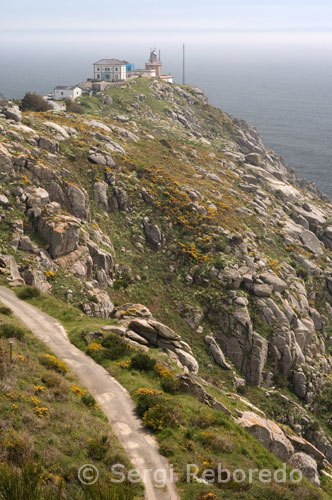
160, 416
50, 275
38, 388
51, 362
162, 371
95, 347
42, 412
77, 390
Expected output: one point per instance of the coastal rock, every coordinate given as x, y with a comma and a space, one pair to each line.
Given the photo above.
216, 353
307, 465
60, 232
268, 433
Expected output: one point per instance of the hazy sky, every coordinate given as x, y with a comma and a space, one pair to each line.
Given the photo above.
167, 15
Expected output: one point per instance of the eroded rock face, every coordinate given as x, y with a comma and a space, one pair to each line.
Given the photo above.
6, 164
306, 465
101, 195
101, 259
216, 353
159, 335
268, 433
152, 234
74, 198
13, 113
61, 232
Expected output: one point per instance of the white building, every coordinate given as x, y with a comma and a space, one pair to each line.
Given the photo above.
62, 93
112, 70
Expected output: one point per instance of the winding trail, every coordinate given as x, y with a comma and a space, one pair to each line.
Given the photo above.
114, 400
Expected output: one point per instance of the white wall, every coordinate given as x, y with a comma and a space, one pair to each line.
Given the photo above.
116, 72
61, 94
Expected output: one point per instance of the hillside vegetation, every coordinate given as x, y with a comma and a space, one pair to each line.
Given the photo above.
193, 264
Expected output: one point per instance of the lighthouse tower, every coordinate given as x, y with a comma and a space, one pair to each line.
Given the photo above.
154, 63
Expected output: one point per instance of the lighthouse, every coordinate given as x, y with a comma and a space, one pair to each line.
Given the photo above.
154, 63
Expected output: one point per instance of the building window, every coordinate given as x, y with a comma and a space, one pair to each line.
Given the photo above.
98, 76
107, 69
98, 69
61, 93
116, 69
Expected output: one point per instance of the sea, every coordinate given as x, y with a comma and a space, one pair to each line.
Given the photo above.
279, 82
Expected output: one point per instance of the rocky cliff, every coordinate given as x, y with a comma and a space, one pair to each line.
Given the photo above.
154, 197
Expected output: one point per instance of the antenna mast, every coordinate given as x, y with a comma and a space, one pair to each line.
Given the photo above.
184, 65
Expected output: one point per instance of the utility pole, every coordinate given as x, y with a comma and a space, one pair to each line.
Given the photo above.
184, 65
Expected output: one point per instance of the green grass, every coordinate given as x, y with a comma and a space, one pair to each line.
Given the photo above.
48, 423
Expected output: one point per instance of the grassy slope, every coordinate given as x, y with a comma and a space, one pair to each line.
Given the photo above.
66, 436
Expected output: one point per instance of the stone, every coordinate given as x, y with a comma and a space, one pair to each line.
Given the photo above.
311, 242
258, 357
122, 119
13, 113
164, 331
152, 234
137, 338
278, 285
115, 147
309, 266
262, 290
71, 196
26, 245
216, 353
4, 200
100, 189
101, 259
268, 433
253, 159
301, 444
61, 232
307, 465
115, 330
187, 360
101, 158
48, 144
300, 383
191, 386
33, 277
142, 327
194, 318
133, 310
61, 132
15, 278
6, 164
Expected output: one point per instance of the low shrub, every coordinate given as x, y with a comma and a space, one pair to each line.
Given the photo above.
162, 415
142, 362
26, 484
5, 310
88, 400
170, 385
53, 363
217, 442
34, 102
115, 347
52, 379
19, 447
97, 448
147, 398
9, 330
28, 292
74, 107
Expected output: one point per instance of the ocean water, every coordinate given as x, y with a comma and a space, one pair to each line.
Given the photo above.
281, 83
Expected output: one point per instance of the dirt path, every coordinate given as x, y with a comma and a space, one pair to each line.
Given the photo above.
114, 400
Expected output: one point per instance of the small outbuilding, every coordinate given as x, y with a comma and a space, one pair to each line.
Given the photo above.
67, 92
